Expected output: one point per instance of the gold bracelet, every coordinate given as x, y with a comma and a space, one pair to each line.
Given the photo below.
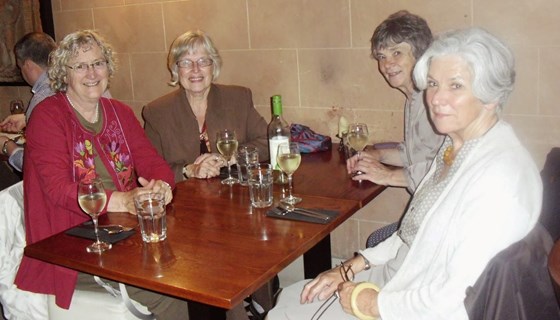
354, 299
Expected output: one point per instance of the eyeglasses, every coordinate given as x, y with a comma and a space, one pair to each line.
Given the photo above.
347, 274
189, 64
84, 67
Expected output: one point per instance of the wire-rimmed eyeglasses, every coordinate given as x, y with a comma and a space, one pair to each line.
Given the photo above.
189, 64
83, 67
347, 274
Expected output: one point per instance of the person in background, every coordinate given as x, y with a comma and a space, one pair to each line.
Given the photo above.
77, 135
482, 177
32, 56
182, 125
396, 44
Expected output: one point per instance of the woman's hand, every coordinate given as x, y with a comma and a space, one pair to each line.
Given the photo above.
158, 186
366, 301
206, 166
124, 201
13, 123
322, 287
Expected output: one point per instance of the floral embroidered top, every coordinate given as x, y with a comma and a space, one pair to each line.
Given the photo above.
59, 153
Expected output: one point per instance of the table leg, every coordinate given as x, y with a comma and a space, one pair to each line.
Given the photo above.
318, 258
203, 311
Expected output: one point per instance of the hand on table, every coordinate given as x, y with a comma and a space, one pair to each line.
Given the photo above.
206, 166
13, 123
374, 171
124, 201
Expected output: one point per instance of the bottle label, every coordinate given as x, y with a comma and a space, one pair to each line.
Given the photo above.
273, 143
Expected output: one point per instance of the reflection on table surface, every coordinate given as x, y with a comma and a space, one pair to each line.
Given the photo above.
219, 249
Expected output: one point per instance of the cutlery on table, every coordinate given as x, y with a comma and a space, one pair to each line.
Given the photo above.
285, 208
115, 228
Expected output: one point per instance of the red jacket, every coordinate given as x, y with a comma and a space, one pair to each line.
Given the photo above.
52, 174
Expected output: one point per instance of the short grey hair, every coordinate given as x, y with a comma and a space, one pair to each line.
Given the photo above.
491, 62
189, 42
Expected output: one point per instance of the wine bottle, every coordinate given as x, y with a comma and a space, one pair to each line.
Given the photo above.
278, 132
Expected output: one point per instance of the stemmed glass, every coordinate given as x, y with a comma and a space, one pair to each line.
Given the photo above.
358, 139
289, 158
16, 107
92, 199
227, 146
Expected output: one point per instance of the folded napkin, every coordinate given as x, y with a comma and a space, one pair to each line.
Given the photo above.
86, 231
276, 213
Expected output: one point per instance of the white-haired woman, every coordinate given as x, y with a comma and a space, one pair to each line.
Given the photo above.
483, 192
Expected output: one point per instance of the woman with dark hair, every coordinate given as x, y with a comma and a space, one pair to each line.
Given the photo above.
396, 44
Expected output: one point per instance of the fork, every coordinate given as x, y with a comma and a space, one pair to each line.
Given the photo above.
115, 228
290, 208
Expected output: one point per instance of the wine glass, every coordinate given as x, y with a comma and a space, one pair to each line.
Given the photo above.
357, 139
16, 107
92, 199
227, 146
289, 158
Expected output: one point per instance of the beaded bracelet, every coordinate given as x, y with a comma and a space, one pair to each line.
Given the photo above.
354, 299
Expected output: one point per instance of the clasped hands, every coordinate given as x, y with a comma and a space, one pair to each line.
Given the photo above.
207, 166
124, 201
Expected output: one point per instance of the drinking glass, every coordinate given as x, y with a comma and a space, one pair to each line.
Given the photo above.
227, 146
16, 107
289, 158
92, 199
357, 139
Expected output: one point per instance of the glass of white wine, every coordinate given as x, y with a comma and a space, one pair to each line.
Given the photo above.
289, 158
16, 107
92, 199
357, 139
226, 142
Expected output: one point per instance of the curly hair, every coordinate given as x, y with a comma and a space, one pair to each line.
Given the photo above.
189, 42
402, 26
69, 48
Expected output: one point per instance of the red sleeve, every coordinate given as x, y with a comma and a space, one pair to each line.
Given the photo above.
48, 155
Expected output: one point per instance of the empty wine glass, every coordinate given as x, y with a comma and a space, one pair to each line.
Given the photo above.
16, 107
289, 158
357, 139
92, 199
226, 141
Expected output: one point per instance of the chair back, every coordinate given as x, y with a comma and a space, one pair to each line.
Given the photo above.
515, 285
550, 174
17, 304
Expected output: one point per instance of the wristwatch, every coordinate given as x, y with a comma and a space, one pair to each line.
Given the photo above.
5, 147
366, 261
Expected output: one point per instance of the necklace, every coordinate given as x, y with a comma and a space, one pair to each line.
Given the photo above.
96, 109
448, 156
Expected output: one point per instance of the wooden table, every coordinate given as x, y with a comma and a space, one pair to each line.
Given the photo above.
219, 249
324, 174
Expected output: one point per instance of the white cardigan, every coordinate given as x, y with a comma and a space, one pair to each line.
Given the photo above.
493, 200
